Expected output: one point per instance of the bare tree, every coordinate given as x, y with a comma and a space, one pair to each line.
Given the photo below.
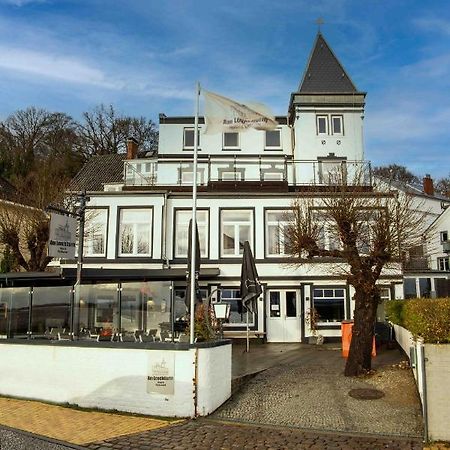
367, 232
32, 134
443, 186
24, 224
104, 131
395, 172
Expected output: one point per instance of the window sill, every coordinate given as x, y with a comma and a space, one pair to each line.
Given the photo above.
273, 149
231, 149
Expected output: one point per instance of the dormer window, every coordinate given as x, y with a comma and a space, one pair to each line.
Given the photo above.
322, 125
230, 141
188, 140
273, 140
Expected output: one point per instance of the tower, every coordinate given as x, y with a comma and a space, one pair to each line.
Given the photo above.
327, 111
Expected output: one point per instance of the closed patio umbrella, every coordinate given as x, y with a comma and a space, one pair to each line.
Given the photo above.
198, 299
250, 285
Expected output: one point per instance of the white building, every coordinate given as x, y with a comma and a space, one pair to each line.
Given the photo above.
139, 208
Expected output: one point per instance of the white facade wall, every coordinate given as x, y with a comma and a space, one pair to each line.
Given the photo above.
434, 245
112, 378
309, 144
252, 142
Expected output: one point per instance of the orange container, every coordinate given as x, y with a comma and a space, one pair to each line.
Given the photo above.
346, 333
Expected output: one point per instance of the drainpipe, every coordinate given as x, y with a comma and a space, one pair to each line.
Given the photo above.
424, 390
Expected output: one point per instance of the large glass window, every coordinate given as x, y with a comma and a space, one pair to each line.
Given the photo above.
16, 311
238, 314
329, 304
98, 309
182, 218
95, 232
409, 287
135, 236
277, 223
51, 311
236, 228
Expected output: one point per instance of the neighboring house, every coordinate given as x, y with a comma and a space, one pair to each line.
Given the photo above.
429, 272
139, 206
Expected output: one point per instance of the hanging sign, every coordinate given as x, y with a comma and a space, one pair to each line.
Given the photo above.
63, 230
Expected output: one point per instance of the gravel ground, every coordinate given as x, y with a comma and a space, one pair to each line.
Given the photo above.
312, 393
11, 439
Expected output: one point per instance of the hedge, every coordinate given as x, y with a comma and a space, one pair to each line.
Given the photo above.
423, 317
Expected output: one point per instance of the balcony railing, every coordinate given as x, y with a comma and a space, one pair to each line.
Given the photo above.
179, 172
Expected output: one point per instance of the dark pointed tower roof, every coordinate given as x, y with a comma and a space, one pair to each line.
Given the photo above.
324, 73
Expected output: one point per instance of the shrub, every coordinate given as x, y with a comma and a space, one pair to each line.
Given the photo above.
429, 319
394, 311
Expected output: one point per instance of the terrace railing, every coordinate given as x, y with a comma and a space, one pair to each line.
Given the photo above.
179, 171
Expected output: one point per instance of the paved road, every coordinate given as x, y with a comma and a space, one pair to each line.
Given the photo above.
309, 391
209, 434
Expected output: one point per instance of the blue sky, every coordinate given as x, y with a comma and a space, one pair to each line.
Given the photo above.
144, 56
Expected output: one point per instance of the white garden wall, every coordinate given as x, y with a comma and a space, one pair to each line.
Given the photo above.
432, 373
118, 378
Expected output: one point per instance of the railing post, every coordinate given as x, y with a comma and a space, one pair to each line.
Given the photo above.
209, 168
179, 173
285, 168
314, 173
234, 167
370, 173
261, 178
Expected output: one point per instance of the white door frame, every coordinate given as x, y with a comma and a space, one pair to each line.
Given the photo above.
282, 327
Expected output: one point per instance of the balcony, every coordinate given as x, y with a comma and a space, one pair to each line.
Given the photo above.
221, 172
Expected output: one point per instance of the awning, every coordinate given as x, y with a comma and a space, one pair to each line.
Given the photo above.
68, 276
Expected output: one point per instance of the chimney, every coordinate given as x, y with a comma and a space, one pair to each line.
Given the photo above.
428, 187
132, 148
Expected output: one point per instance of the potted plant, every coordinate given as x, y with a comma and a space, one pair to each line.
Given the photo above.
312, 319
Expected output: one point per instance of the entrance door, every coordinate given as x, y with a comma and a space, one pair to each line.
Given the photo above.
283, 315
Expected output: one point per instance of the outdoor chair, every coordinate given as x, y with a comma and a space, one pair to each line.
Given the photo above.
127, 336
184, 338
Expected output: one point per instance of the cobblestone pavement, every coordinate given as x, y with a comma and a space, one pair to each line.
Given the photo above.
71, 425
217, 435
311, 392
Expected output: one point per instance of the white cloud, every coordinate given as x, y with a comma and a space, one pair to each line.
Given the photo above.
433, 24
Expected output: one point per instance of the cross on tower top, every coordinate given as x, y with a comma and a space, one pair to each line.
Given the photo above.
320, 22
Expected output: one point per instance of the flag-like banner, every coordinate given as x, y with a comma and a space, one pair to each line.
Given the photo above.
223, 114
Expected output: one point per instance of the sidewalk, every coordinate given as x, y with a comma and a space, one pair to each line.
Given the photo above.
71, 425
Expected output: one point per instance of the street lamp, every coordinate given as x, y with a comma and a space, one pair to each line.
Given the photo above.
222, 312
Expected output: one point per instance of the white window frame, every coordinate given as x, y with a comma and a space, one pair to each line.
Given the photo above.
190, 147
235, 298
322, 116
334, 289
202, 222
443, 236
272, 147
231, 147
96, 227
236, 225
341, 120
281, 225
443, 263
135, 225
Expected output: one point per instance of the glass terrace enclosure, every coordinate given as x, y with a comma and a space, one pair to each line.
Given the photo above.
115, 311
